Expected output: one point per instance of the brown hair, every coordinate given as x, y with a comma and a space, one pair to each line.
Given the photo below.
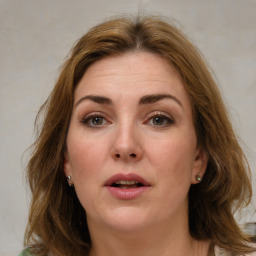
57, 221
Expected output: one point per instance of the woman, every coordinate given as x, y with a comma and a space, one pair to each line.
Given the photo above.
136, 154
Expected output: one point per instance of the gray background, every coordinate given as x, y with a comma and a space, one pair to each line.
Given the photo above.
36, 37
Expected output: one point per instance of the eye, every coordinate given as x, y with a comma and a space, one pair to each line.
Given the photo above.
94, 120
160, 120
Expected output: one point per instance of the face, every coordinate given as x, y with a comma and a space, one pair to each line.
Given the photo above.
131, 146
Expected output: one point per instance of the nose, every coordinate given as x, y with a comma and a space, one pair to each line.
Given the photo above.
127, 144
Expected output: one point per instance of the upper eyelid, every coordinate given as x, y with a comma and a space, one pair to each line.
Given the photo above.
91, 115
160, 113
168, 118
87, 119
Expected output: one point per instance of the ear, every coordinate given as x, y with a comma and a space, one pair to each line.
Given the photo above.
67, 166
199, 165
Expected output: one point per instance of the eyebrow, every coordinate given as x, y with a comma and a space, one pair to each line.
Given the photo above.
147, 99
153, 98
95, 98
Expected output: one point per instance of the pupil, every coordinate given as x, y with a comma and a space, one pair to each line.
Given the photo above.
97, 120
158, 120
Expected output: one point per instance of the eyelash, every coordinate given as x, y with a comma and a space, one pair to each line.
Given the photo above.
87, 120
167, 120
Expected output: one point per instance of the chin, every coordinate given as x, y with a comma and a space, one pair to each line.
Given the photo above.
127, 219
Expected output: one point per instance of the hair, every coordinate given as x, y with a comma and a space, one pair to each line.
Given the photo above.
57, 221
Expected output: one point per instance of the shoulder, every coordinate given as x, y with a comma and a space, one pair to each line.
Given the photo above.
253, 253
253, 245
25, 252
220, 252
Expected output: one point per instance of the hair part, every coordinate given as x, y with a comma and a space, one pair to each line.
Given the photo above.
57, 221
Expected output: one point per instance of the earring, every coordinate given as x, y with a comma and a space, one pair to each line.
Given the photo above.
198, 178
68, 180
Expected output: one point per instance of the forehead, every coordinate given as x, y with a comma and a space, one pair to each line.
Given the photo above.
132, 73
133, 64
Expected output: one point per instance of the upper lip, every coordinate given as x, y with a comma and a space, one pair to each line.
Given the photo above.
126, 177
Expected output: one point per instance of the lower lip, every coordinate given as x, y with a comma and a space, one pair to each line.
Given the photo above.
127, 194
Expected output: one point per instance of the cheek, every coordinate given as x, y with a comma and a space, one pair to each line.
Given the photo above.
87, 156
87, 160
173, 161
173, 152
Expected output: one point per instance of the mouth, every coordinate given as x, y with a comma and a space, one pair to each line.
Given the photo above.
127, 181
126, 184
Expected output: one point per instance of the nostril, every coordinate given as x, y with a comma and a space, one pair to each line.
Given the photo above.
132, 155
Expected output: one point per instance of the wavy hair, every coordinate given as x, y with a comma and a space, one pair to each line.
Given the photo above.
57, 221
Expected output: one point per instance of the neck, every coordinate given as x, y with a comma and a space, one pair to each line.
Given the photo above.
151, 241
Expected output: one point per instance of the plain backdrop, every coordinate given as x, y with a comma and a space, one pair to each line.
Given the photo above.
36, 36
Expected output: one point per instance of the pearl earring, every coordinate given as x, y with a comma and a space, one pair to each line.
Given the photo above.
68, 180
198, 178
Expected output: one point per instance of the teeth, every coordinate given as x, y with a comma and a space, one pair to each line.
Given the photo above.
126, 182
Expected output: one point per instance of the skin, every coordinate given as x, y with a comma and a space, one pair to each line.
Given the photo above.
155, 140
